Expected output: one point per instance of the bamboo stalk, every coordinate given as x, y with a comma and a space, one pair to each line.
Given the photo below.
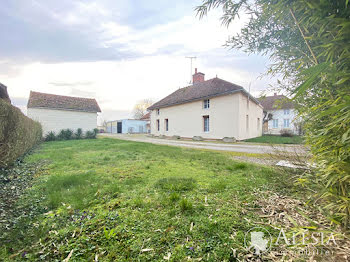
302, 33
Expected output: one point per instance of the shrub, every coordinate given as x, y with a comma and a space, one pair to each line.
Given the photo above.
51, 136
18, 133
78, 134
90, 135
286, 133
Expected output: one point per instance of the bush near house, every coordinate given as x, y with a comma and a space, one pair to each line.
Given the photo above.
18, 133
68, 134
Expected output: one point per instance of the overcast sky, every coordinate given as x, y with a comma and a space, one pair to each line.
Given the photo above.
117, 51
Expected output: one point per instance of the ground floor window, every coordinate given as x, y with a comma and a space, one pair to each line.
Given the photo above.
166, 125
158, 126
258, 123
206, 123
286, 123
275, 123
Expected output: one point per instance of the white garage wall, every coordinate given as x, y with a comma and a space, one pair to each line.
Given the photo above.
56, 120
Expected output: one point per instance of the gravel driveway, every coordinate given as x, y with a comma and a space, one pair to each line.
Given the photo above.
241, 147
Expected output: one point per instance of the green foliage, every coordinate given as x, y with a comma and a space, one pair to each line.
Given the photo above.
51, 136
308, 44
286, 133
176, 184
90, 134
78, 134
65, 134
109, 234
68, 134
276, 139
18, 133
185, 205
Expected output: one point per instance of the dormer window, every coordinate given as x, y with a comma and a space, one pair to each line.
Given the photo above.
206, 103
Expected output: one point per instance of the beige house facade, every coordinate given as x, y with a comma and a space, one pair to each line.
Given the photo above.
211, 109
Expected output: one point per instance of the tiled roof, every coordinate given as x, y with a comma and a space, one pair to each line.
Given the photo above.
42, 100
201, 90
276, 102
146, 116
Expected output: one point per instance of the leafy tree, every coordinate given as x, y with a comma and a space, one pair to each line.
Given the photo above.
140, 109
308, 44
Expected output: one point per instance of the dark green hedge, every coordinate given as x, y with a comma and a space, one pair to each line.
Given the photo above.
18, 133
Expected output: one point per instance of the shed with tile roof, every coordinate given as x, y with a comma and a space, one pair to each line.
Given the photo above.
56, 112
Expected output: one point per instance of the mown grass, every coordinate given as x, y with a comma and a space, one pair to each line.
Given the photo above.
276, 139
127, 201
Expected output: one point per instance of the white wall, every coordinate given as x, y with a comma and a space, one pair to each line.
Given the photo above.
225, 119
56, 120
279, 114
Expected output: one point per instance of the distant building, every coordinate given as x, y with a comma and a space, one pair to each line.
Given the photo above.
127, 126
283, 114
212, 109
56, 112
147, 117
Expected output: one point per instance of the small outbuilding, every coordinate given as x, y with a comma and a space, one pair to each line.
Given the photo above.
55, 112
127, 126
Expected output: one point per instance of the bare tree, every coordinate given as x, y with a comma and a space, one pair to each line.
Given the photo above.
140, 109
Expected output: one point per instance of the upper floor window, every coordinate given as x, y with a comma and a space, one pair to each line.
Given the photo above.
286, 122
286, 111
206, 103
166, 124
275, 123
158, 111
206, 123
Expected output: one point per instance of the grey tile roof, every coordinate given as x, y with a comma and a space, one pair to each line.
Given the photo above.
198, 91
42, 100
276, 102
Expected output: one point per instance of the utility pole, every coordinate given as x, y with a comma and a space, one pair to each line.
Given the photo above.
191, 58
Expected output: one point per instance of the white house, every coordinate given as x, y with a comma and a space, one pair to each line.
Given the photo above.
212, 109
282, 114
56, 112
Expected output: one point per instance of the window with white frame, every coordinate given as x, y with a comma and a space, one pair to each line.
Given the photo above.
206, 123
286, 111
286, 123
206, 103
166, 124
158, 111
275, 123
158, 125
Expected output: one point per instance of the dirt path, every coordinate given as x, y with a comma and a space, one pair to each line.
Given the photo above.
231, 147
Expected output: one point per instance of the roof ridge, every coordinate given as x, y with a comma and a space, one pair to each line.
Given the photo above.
62, 95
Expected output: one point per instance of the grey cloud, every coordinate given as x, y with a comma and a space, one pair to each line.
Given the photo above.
82, 83
83, 93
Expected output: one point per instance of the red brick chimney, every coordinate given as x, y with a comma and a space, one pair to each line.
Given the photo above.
198, 77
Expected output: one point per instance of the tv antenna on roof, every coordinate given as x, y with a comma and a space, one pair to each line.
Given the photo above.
191, 58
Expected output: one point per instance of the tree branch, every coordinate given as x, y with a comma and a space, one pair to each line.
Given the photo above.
302, 33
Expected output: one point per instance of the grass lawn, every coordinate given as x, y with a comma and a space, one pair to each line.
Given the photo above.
276, 139
115, 200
